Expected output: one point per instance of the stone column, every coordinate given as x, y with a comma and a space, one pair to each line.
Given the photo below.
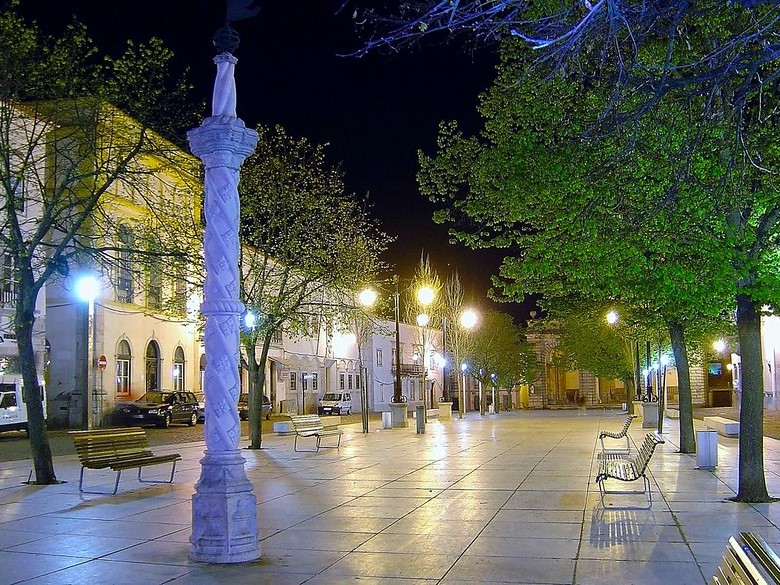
224, 509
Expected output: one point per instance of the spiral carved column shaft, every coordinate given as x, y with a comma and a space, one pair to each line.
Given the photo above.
224, 509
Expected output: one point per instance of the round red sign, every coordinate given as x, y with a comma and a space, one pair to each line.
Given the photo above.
102, 362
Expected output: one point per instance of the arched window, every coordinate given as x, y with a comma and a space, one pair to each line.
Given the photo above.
123, 359
178, 369
152, 366
124, 280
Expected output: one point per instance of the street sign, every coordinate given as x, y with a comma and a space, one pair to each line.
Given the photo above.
102, 362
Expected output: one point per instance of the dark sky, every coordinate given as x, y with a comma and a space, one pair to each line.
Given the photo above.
375, 111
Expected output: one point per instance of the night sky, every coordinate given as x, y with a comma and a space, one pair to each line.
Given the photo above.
375, 111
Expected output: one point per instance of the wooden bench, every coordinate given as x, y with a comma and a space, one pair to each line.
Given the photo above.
622, 434
724, 426
629, 469
748, 560
118, 449
310, 425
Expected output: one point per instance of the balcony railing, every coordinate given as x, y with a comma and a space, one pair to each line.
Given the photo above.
8, 293
409, 369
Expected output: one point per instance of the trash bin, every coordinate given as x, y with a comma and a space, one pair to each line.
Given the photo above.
420, 416
707, 449
387, 420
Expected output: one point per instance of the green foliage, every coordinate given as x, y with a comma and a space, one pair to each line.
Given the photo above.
309, 245
499, 353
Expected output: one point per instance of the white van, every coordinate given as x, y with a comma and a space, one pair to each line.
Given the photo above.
13, 410
335, 403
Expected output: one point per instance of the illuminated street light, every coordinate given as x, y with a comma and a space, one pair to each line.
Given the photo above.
425, 295
612, 317
719, 345
87, 289
250, 320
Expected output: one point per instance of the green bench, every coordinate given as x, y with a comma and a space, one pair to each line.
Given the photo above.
118, 450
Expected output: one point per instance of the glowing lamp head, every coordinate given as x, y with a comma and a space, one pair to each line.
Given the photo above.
367, 297
250, 320
468, 319
87, 288
425, 295
612, 317
423, 319
719, 345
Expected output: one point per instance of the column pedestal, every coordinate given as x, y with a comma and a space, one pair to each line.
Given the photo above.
399, 410
224, 511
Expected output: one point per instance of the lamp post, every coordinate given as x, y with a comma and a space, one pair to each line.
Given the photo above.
468, 320
425, 297
462, 406
87, 289
398, 407
224, 509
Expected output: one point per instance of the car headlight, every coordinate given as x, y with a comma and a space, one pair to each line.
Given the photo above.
154, 411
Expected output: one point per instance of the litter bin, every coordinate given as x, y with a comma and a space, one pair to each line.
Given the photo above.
707, 449
387, 420
420, 416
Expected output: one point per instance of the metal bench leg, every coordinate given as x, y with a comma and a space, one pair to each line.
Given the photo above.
83, 491
170, 480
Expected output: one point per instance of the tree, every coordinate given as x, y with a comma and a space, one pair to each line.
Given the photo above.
66, 153
705, 48
308, 246
500, 355
573, 211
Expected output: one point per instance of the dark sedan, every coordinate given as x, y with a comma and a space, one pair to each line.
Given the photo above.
161, 408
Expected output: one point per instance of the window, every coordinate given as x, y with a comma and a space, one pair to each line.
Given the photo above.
123, 358
7, 279
124, 281
178, 369
305, 381
379, 357
154, 286
342, 381
152, 366
8, 399
314, 382
349, 381
358, 378
17, 188
277, 337
179, 300
293, 381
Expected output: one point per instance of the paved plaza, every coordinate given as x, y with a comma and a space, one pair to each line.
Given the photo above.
507, 498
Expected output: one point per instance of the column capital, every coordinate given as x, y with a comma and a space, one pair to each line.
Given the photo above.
222, 141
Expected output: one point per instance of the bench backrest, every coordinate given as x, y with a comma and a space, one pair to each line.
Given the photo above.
306, 422
627, 424
100, 446
646, 452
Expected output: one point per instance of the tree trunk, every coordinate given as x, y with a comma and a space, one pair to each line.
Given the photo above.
752, 483
39, 440
687, 435
256, 387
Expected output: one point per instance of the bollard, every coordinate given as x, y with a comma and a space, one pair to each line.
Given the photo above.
420, 419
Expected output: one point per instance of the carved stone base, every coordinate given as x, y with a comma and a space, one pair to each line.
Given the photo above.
224, 511
400, 412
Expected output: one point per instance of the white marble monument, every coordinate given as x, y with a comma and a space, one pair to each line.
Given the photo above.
224, 509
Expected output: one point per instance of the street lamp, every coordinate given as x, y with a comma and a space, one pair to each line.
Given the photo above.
87, 289
468, 320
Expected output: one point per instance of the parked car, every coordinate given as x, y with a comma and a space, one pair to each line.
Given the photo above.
161, 408
243, 407
335, 403
201, 407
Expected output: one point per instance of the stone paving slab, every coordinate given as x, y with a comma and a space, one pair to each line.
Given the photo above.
507, 498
